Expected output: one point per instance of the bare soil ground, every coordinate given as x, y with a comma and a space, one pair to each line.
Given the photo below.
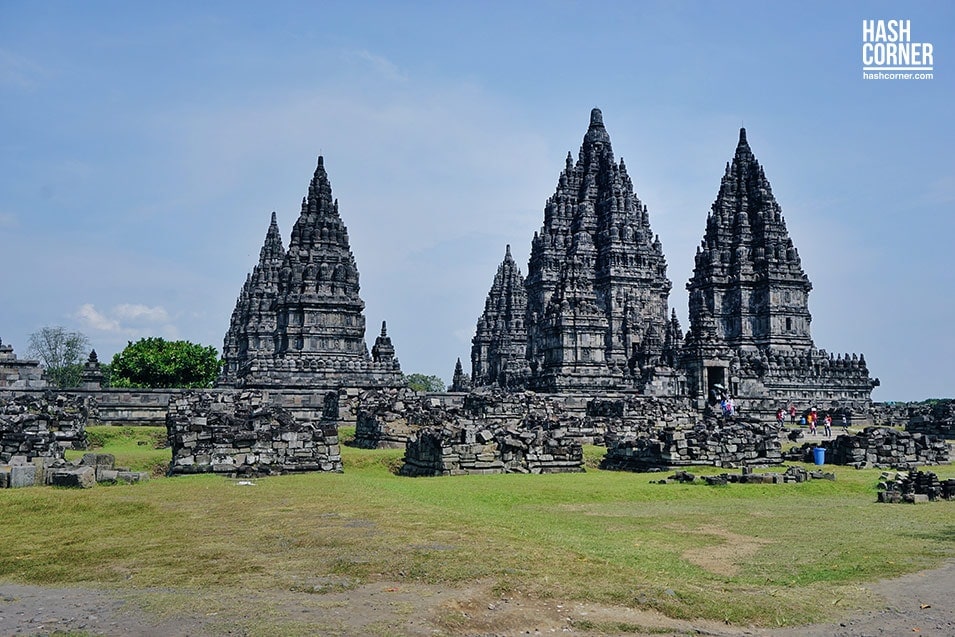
917, 604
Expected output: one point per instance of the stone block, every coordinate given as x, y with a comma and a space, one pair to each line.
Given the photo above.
80, 477
22, 475
106, 475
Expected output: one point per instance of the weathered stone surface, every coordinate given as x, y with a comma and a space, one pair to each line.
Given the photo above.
500, 342
460, 382
748, 476
17, 373
240, 433
915, 486
22, 475
718, 442
92, 376
935, 419
456, 450
42, 425
596, 290
75, 477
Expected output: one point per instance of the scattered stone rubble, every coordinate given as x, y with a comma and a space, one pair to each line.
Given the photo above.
84, 473
42, 425
721, 443
748, 476
242, 434
389, 418
935, 419
640, 432
447, 451
879, 447
915, 486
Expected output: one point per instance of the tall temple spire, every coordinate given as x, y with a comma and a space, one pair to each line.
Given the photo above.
746, 249
251, 332
300, 316
272, 248
595, 221
749, 305
500, 341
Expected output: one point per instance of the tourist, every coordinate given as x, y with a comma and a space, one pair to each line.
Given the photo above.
827, 423
811, 418
792, 414
845, 423
779, 416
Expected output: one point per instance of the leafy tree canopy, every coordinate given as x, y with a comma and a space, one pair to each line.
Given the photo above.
62, 354
420, 382
157, 363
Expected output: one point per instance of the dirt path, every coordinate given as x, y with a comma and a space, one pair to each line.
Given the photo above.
918, 604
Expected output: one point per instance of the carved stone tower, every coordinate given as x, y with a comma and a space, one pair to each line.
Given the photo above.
249, 344
500, 342
748, 283
749, 306
595, 250
299, 320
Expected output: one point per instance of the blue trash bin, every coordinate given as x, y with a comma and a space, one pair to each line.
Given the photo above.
819, 455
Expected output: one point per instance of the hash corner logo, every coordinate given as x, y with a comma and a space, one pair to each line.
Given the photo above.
888, 52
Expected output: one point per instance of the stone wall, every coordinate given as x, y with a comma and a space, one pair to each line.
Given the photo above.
126, 406
42, 425
243, 434
881, 447
444, 451
717, 442
389, 418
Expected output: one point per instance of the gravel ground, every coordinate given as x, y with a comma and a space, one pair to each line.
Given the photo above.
917, 604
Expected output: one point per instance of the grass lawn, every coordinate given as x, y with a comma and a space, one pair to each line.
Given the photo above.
747, 554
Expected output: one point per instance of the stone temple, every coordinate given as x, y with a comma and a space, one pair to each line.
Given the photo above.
299, 321
593, 312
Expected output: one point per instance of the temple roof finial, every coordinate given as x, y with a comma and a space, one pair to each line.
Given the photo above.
742, 136
596, 117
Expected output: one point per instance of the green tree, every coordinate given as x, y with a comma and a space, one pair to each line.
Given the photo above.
62, 354
157, 363
420, 382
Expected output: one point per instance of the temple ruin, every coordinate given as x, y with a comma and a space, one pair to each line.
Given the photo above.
593, 312
584, 349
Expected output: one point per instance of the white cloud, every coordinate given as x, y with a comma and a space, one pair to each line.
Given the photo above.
92, 319
381, 65
144, 313
128, 320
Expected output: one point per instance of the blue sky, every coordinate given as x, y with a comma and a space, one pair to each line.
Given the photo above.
145, 145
